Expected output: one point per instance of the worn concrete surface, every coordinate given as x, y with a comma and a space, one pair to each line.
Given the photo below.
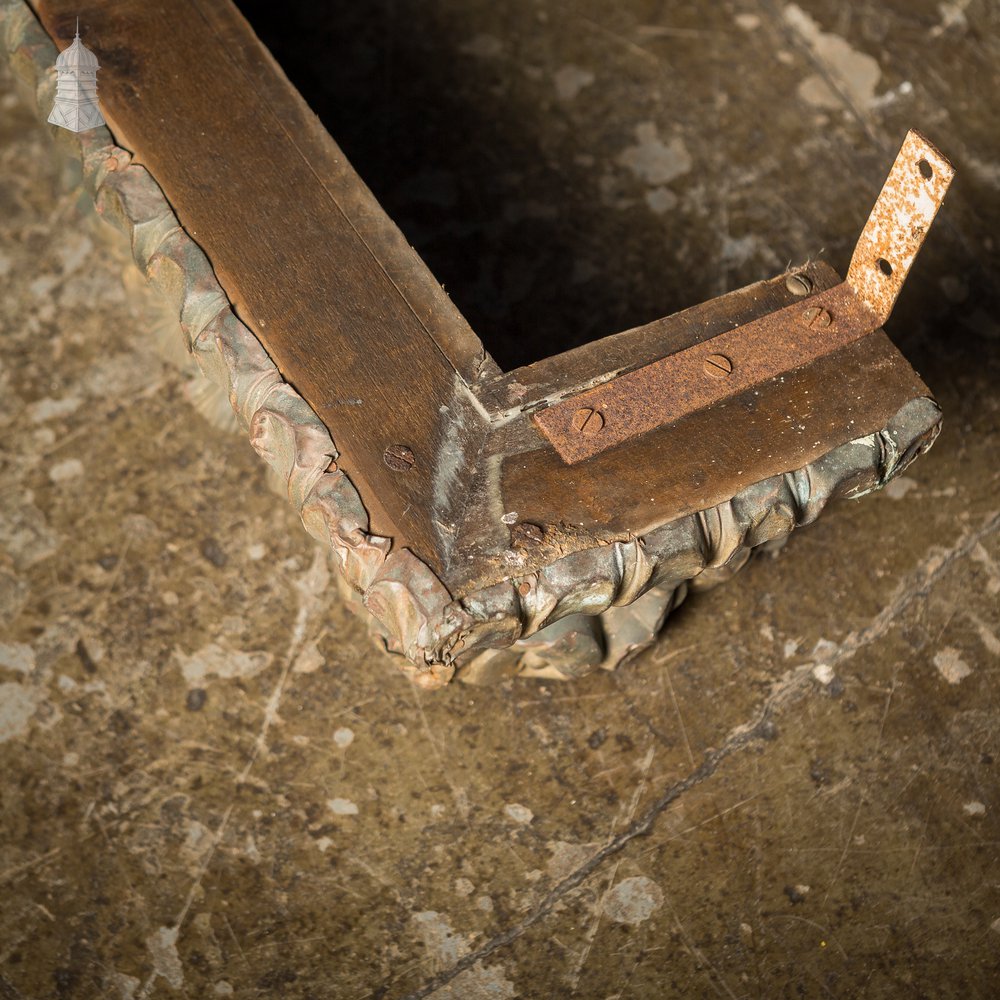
212, 785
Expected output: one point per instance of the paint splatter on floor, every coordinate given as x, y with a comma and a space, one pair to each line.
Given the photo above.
951, 666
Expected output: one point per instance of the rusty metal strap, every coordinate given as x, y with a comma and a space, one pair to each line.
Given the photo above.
782, 341
708, 373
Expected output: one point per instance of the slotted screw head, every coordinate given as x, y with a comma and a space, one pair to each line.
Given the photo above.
399, 458
718, 366
816, 318
799, 284
588, 421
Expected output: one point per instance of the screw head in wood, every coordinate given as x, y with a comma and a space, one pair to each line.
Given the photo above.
588, 421
524, 588
399, 458
525, 534
718, 366
816, 318
799, 284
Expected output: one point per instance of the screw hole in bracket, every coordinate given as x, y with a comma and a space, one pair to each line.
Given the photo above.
926, 170
884, 266
799, 284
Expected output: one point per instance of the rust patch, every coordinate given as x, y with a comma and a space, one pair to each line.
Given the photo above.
707, 373
898, 224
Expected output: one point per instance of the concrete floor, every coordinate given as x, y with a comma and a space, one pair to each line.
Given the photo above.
213, 786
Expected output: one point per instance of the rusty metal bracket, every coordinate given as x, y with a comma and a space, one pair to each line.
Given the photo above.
708, 373
898, 224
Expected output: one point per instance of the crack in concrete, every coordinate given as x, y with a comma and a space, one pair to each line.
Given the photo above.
827, 73
310, 588
759, 729
917, 585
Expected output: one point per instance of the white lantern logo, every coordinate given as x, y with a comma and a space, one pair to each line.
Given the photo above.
76, 105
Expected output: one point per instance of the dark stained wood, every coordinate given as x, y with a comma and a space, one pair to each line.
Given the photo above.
404, 267
312, 264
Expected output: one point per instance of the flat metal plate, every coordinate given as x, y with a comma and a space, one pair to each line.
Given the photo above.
708, 373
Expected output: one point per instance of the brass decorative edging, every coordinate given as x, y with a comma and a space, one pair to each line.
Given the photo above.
562, 620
